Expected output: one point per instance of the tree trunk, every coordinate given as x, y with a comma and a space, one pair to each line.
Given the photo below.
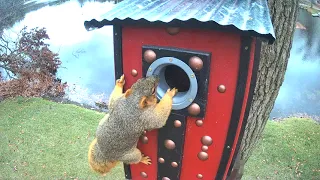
273, 64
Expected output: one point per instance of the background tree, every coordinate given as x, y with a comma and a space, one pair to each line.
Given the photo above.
29, 66
272, 68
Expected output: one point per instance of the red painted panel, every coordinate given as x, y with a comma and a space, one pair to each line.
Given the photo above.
224, 70
243, 105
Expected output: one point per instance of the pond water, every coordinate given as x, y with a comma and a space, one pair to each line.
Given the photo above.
87, 57
300, 91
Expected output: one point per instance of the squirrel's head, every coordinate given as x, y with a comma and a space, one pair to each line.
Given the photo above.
145, 90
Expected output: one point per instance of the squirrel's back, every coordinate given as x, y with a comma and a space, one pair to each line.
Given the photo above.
117, 132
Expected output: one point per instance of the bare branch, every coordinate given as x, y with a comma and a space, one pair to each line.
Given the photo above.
6, 46
31, 59
5, 68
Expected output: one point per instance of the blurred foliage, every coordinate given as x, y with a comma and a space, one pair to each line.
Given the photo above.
30, 66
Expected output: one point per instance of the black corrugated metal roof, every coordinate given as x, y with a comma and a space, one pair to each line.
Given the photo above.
246, 16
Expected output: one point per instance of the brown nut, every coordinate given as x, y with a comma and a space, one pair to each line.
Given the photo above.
199, 122
206, 140
203, 156
195, 63
174, 164
134, 72
161, 160
149, 56
194, 109
222, 88
169, 144
173, 30
177, 123
144, 175
144, 139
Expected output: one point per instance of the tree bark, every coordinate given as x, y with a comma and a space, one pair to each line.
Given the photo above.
272, 67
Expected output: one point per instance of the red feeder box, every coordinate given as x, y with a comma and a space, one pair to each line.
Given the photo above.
209, 50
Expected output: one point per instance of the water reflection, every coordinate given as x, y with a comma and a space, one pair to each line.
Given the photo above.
87, 57
300, 92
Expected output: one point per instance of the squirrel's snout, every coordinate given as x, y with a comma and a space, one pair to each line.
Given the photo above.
155, 78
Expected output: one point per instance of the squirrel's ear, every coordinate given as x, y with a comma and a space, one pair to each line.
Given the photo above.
143, 102
128, 93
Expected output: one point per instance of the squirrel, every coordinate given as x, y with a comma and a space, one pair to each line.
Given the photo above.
129, 115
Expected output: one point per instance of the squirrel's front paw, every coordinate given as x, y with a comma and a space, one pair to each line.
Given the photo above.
121, 81
145, 160
172, 92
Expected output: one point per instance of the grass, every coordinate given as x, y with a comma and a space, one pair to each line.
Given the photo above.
40, 139
289, 149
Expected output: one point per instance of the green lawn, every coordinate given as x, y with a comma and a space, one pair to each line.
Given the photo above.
40, 139
287, 150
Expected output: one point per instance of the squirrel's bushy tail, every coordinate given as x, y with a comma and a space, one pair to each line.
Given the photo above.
100, 166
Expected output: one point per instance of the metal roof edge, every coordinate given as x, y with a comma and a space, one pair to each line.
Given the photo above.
96, 24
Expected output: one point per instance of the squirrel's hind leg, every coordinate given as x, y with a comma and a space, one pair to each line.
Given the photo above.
134, 157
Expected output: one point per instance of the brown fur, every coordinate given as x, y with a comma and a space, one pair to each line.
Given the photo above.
129, 115
100, 167
127, 93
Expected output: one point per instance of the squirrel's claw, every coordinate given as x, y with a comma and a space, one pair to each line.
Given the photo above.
172, 92
121, 80
145, 160
175, 90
